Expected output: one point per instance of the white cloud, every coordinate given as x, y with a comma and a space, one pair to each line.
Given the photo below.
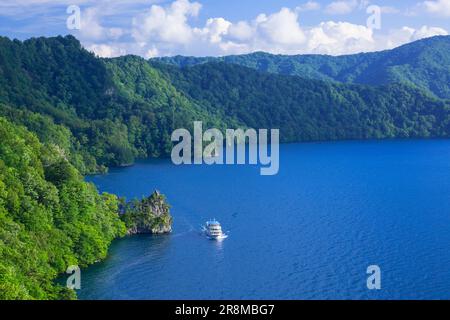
240, 31
405, 35
112, 28
308, 6
438, 7
168, 30
214, 29
151, 53
341, 7
337, 38
281, 27
426, 32
106, 51
167, 25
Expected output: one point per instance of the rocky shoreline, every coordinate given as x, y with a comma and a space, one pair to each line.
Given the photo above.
150, 215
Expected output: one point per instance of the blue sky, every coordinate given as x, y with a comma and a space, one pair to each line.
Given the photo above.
220, 27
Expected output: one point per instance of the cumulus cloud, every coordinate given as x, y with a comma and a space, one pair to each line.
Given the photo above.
340, 38
407, 34
214, 29
281, 27
167, 25
151, 53
106, 51
426, 32
241, 31
167, 30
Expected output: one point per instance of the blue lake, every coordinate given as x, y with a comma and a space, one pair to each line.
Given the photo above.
309, 232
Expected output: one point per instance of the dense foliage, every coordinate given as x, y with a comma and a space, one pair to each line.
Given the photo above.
49, 217
311, 109
424, 63
148, 215
107, 112
101, 112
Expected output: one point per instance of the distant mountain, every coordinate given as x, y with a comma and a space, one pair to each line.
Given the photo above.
424, 63
107, 112
306, 109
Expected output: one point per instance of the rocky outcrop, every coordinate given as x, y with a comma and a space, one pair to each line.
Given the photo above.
148, 216
161, 229
158, 229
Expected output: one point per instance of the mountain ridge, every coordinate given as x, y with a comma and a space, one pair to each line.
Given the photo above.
417, 63
108, 112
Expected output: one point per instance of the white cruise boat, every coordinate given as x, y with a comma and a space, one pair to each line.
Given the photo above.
213, 230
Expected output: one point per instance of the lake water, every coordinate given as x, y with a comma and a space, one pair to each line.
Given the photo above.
309, 232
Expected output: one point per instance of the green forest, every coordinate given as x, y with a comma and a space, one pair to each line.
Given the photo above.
49, 217
65, 113
424, 64
108, 112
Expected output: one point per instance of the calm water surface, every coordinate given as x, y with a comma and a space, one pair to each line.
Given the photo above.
309, 232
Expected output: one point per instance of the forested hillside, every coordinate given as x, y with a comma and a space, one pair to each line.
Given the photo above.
307, 110
424, 63
108, 112
49, 217
101, 112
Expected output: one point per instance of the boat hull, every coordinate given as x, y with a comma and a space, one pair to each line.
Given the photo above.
218, 238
